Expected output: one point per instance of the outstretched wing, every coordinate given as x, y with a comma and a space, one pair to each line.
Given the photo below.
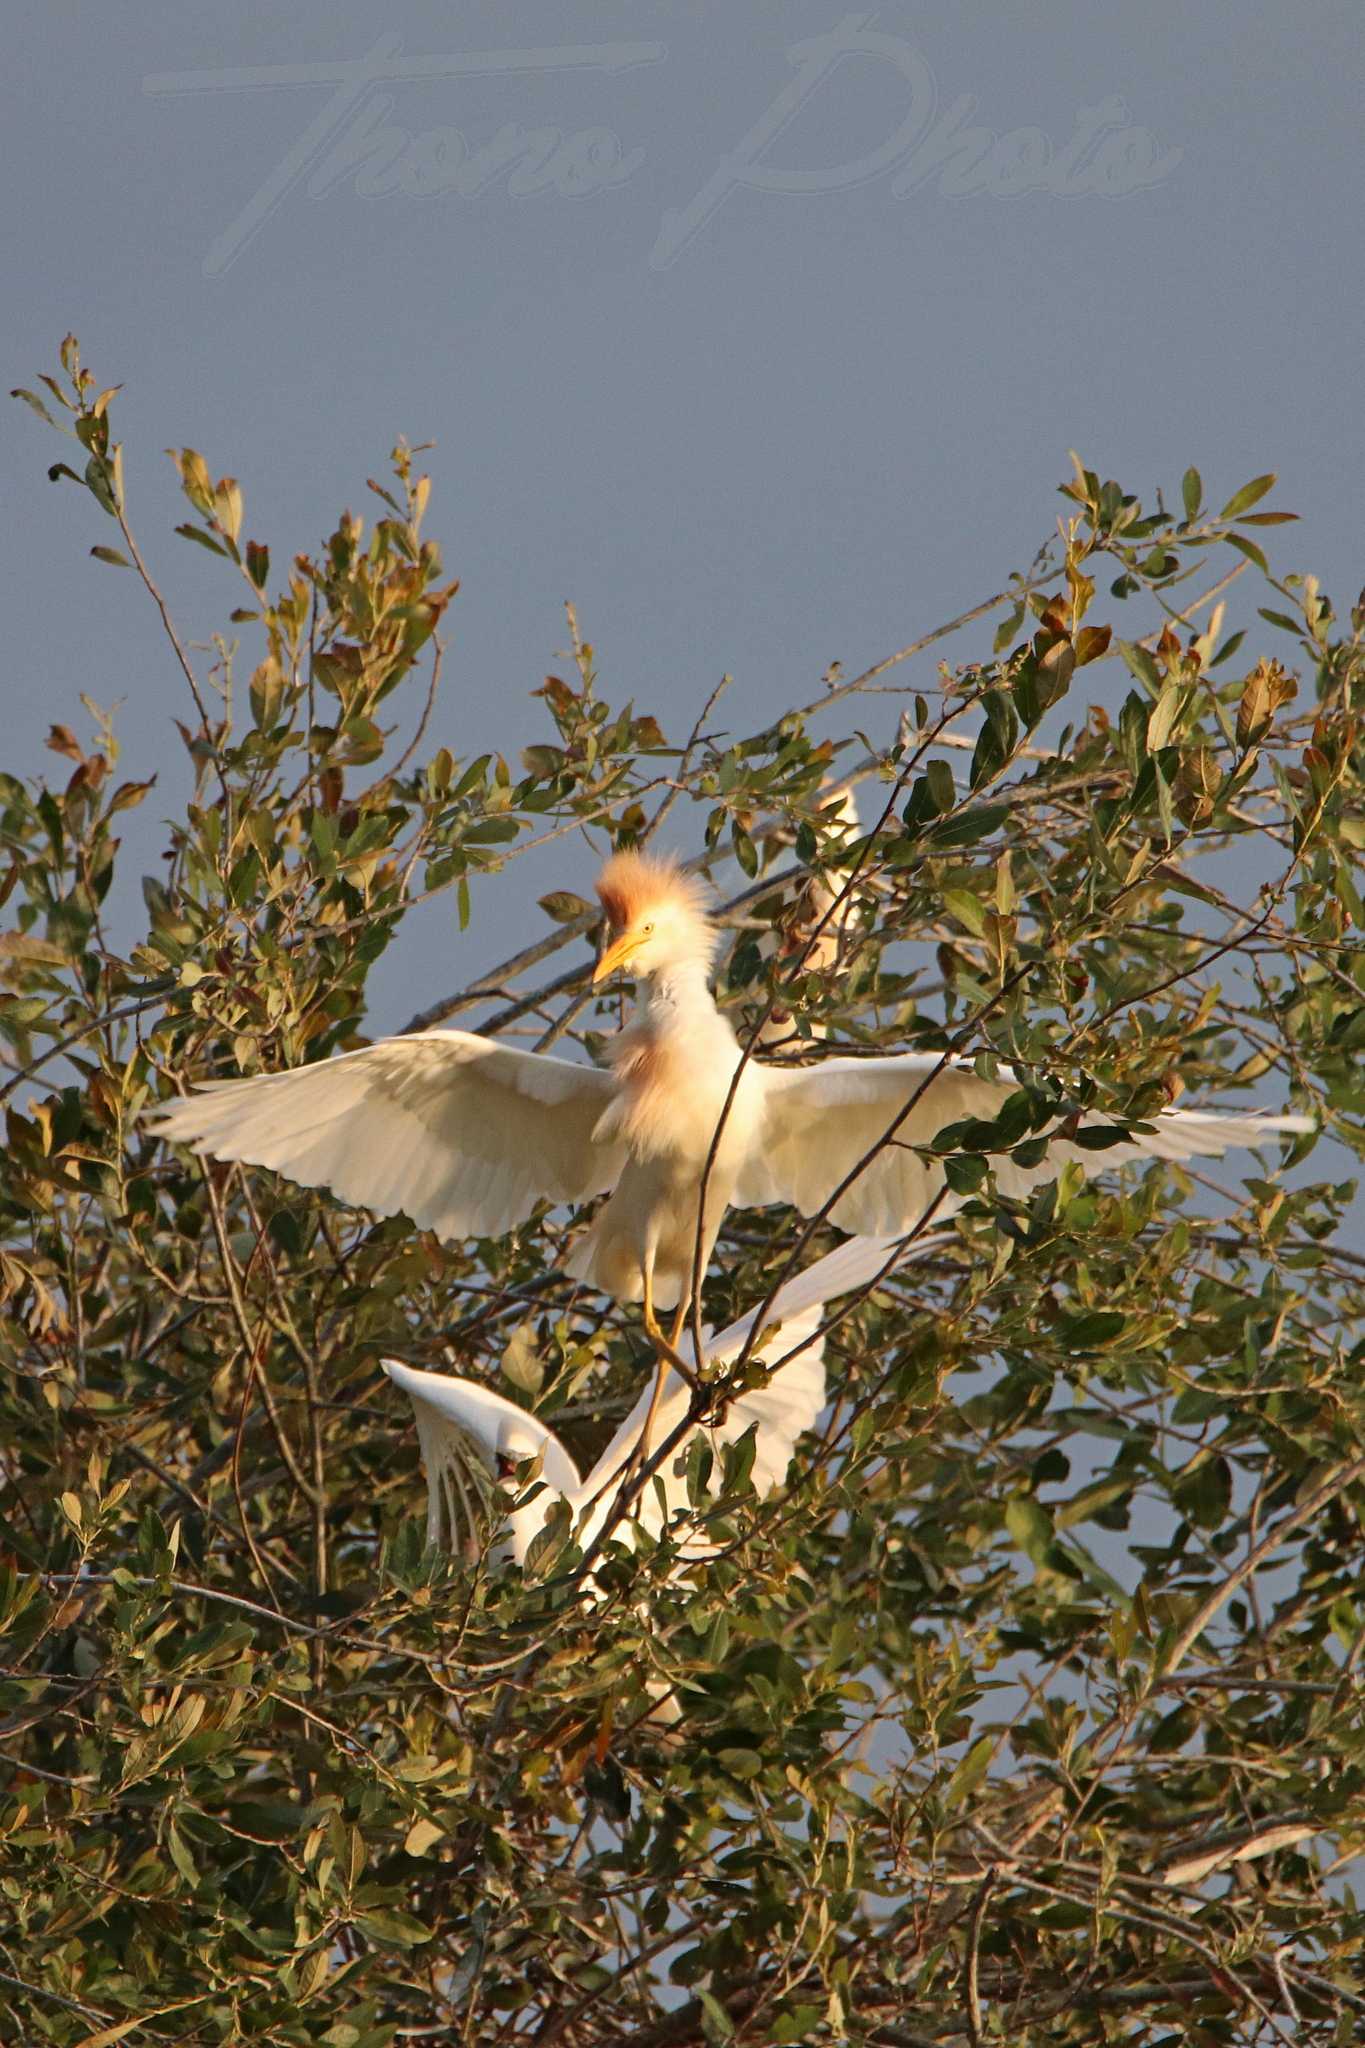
454, 1414
787, 1406
855, 1263
852, 1117
463, 1135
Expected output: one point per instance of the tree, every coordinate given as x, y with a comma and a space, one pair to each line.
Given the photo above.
1031, 1710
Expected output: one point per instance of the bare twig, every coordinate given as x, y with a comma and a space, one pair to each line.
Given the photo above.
971, 1984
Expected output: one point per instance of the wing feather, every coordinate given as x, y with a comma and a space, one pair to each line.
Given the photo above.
787, 1405
790, 1402
822, 1122
460, 1133
453, 1415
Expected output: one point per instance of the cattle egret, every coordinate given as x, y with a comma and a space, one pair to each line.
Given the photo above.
454, 1415
466, 1136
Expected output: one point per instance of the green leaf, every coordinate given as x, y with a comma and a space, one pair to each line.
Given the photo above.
112, 556
202, 539
1142, 665
521, 1362
564, 907
31, 398
976, 822
964, 1172
1093, 1327
970, 1771
421, 1836
1192, 492
1203, 1492
968, 909
491, 831
548, 1545
181, 1856
997, 738
1100, 1137
740, 1763
99, 483
1165, 802
1249, 549
939, 783
1030, 1526
1164, 714
1227, 650
719, 2025
391, 1926
1243, 500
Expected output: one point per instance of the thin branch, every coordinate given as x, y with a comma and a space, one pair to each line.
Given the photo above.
87, 2012
1270, 1542
438, 655
237, 1601
167, 621
971, 1985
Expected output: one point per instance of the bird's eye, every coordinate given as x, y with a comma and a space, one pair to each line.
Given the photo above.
646, 930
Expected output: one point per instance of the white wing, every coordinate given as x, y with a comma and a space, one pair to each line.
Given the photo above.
788, 1405
851, 1264
451, 1414
463, 1135
822, 1121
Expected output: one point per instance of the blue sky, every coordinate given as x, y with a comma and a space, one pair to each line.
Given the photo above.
759, 381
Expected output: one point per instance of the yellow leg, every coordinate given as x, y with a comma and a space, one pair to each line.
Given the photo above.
679, 1325
641, 1451
666, 1346
669, 1357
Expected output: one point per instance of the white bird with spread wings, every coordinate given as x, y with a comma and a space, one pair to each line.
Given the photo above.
466, 1135
458, 1416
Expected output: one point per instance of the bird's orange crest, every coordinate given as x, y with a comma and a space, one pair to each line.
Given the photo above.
631, 883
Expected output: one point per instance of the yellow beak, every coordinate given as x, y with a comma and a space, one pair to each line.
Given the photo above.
616, 955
